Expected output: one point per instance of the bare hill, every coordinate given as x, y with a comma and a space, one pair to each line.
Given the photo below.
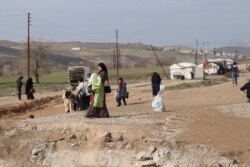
57, 58
7, 43
9, 51
132, 55
242, 50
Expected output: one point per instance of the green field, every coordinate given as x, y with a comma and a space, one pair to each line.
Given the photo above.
49, 82
59, 80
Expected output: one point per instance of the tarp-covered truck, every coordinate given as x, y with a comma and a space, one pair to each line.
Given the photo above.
77, 72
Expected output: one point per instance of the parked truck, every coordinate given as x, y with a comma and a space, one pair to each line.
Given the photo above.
77, 72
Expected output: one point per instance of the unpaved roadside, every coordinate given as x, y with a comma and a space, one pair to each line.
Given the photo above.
194, 129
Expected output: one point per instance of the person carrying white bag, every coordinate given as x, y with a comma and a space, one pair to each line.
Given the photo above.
157, 103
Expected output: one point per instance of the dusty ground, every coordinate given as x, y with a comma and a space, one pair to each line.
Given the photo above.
206, 126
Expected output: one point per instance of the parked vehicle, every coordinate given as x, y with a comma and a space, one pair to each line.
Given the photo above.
75, 73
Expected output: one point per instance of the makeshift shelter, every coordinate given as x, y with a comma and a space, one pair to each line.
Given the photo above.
210, 68
217, 66
225, 63
185, 71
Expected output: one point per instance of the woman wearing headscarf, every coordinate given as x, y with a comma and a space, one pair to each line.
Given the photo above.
98, 107
29, 89
155, 81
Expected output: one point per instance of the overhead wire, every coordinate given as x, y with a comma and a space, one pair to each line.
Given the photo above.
47, 33
47, 28
7, 18
11, 23
65, 30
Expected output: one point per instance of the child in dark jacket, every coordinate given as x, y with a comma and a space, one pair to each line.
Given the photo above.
121, 93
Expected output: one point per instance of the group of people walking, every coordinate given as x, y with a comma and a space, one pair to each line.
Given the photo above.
91, 93
29, 88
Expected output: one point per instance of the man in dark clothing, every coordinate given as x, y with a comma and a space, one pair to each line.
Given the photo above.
156, 81
247, 88
29, 90
19, 84
235, 73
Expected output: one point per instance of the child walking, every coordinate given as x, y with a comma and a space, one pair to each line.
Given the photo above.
121, 93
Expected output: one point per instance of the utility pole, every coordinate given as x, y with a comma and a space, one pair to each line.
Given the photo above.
214, 50
203, 53
114, 59
196, 54
117, 57
179, 58
119, 60
208, 47
29, 44
236, 55
207, 54
159, 61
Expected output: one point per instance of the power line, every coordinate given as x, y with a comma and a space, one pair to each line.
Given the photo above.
11, 24
64, 28
12, 16
44, 27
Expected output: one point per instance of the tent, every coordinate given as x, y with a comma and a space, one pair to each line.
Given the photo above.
184, 71
211, 68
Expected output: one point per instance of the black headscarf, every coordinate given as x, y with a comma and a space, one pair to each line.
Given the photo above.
29, 83
103, 68
156, 78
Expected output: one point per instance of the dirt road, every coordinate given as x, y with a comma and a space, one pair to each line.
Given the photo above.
206, 126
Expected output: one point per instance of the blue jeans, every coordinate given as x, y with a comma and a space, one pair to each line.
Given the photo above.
119, 98
234, 79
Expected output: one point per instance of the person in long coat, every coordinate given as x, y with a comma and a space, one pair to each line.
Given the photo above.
155, 81
98, 107
29, 89
19, 85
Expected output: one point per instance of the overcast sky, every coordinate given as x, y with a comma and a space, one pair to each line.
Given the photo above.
157, 22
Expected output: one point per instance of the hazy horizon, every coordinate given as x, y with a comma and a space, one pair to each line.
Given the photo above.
215, 23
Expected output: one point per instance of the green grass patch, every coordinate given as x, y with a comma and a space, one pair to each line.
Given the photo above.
59, 80
48, 82
54, 78
7, 85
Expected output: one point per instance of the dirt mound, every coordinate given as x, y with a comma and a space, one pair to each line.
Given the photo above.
28, 106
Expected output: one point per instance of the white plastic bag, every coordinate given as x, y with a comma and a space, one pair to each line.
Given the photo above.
157, 103
116, 95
